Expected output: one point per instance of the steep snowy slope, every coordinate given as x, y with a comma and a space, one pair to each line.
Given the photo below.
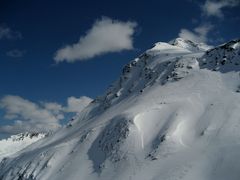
173, 114
17, 142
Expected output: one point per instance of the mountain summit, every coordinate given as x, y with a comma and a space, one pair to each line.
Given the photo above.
190, 45
172, 114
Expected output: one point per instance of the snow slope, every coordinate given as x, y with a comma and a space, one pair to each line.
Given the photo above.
16, 143
173, 114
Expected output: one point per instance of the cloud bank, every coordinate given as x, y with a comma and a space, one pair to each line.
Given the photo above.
27, 116
105, 36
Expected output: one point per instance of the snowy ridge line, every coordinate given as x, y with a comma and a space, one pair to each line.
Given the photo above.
16, 143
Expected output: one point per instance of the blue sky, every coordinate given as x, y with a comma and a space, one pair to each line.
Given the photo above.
44, 61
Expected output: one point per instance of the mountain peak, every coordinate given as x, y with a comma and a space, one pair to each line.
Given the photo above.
190, 45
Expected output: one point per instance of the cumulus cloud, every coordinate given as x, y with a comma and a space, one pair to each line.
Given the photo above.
199, 34
15, 53
105, 36
54, 108
215, 8
27, 116
7, 33
77, 104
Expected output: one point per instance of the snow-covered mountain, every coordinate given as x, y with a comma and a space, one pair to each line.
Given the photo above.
16, 143
173, 114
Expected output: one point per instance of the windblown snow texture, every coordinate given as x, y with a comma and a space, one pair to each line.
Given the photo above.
172, 114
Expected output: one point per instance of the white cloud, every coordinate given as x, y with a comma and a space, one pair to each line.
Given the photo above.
27, 116
105, 36
7, 33
15, 53
214, 8
77, 104
199, 34
55, 109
